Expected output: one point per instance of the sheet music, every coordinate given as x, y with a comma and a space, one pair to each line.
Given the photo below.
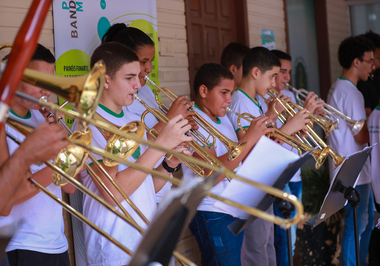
264, 164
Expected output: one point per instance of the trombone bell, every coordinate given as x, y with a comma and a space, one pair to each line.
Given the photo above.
121, 146
72, 158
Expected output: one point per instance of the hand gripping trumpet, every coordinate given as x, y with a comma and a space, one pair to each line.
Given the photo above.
234, 149
333, 113
286, 223
320, 155
337, 159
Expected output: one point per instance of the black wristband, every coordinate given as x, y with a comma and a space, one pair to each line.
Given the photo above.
169, 169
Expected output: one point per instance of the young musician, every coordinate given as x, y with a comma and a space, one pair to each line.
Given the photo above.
213, 85
295, 185
367, 87
40, 238
232, 58
260, 68
144, 48
355, 55
121, 82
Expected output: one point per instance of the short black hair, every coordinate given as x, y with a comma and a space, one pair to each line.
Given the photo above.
211, 75
129, 36
374, 37
261, 58
352, 48
282, 55
114, 55
43, 54
376, 81
233, 54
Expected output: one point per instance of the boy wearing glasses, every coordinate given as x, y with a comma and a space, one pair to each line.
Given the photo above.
355, 55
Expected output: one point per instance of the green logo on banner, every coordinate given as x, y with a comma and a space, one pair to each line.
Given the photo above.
71, 64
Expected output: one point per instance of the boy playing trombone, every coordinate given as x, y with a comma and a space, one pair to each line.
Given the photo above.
121, 82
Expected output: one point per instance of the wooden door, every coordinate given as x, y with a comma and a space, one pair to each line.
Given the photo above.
211, 25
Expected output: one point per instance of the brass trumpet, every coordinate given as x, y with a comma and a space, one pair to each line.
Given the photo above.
337, 159
327, 126
333, 113
234, 149
320, 155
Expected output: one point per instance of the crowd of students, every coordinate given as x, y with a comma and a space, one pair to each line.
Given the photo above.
240, 82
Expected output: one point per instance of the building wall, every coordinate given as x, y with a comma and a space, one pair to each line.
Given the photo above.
266, 14
338, 23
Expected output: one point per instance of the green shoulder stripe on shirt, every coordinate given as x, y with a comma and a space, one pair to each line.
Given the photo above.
218, 119
257, 104
92, 163
377, 108
136, 154
347, 80
28, 115
111, 112
239, 128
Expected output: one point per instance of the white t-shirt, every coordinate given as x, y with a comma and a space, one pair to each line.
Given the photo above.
145, 93
345, 97
40, 222
100, 251
374, 137
225, 127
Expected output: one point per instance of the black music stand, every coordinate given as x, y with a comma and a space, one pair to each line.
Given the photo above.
239, 225
175, 212
342, 190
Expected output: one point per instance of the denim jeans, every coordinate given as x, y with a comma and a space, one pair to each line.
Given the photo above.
280, 237
365, 211
20, 257
219, 247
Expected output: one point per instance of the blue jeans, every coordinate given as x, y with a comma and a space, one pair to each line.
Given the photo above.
280, 237
217, 244
365, 211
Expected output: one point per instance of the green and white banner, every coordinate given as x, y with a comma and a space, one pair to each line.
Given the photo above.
80, 26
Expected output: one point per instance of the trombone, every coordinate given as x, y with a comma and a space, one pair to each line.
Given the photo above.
73, 158
234, 149
286, 223
332, 113
320, 155
337, 159
83, 91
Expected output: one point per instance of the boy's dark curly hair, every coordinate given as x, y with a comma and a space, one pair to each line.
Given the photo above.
352, 48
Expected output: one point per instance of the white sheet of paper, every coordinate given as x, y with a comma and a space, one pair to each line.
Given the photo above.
264, 164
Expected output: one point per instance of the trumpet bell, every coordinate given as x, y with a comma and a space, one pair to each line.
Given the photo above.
72, 158
121, 146
320, 156
337, 159
356, 126
235, 151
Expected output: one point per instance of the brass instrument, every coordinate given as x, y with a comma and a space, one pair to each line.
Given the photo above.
332, 113
83, 91
234, 149
286, 223
320, 155
193, 144
337, 159
327, 126
71, 160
